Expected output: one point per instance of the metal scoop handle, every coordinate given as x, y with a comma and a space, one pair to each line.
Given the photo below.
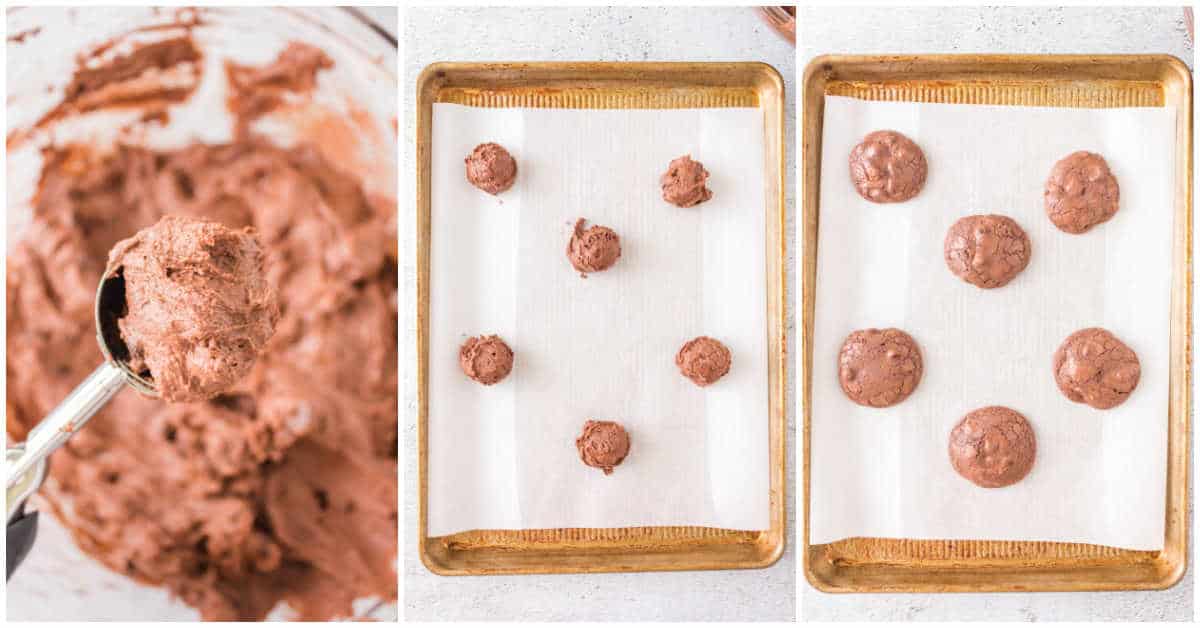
71, 414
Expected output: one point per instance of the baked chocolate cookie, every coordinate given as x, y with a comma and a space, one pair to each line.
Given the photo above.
993, 447
887, 167
879, 367
986, 250
1081, 192
1092, 366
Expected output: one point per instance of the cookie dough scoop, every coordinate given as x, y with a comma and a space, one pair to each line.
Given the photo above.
491, 168
593, 249
182, 313
685, 183
603, 445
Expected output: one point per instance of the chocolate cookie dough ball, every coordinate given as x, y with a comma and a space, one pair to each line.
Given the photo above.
887, 167
1081, 192
879, 367
485, 359
703, 360
603, 445
987, 250
684, 183
198, 307
491, 169
593, 249
1092, 366
993, 447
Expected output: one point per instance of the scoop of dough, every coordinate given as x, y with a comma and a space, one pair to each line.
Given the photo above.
684, 184
485, 359
603, 444
703, 360
491, 168
198, 307
593, 249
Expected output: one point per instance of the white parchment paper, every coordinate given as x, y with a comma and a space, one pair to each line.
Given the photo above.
504, 456
1100, 476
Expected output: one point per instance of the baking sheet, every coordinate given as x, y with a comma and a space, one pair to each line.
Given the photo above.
503, 457
885, 473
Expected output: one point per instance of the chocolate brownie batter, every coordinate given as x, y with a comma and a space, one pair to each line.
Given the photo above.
879, 367
1092, 366
887, 167
703, 360
593, 249
684, 184
491, 169
257, 90
993, 447
152, 73
1081, 192
987, 250
198, 308
485, 359
282, 489
603, 445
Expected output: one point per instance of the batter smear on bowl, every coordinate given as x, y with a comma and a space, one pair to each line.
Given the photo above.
283, 489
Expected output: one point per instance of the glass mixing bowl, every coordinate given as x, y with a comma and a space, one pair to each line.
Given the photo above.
352, 120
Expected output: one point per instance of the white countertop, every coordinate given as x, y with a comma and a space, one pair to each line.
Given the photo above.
599, 34
997, 30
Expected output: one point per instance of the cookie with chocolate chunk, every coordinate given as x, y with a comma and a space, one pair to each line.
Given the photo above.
993, 447
1093, 366
986, 250
879, 367
887, 167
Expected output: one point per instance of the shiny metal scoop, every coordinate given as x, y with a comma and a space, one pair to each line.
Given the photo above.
88, 397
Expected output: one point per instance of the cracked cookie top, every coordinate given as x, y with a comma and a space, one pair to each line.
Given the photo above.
1092, 366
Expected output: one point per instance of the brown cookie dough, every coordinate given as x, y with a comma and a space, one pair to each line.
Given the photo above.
1092, 366
282, 489
603, 445
986, 250
198, 307
703, 360
879, 367
1081, 192
684, 184
993, 447
485, 359
593, 249
887, 167
491, 169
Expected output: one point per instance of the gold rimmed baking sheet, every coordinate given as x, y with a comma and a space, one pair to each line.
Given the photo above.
863, 565
608, 86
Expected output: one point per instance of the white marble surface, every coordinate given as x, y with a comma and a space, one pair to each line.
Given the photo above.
1005, 30
609, 34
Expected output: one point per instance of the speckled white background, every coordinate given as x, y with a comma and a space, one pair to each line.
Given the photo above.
589, 34
1004, 30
